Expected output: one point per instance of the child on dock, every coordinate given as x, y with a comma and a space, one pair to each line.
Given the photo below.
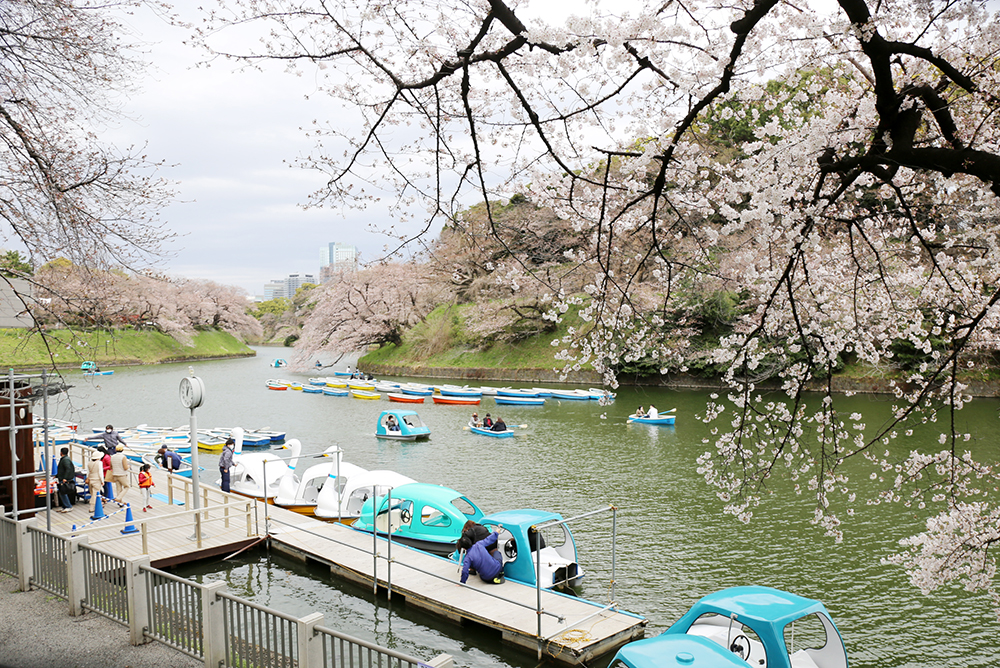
145, 485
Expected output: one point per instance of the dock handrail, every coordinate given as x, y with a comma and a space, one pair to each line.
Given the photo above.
182, 614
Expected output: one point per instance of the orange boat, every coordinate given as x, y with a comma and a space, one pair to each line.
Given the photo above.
405, 398
456, 400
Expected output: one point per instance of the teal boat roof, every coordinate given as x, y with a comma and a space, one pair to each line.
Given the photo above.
759, 603
427, 492
665, 651
522, 516
395, 412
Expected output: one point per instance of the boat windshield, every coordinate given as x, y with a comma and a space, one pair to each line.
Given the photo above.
464, 506
813, 642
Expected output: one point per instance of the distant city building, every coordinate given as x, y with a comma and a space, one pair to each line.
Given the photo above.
336, 258
285, 288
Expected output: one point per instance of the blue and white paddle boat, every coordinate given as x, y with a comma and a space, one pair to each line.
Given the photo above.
755, 626
665, 418
89, 368
279, 363
427, 517
401, 426
526, 551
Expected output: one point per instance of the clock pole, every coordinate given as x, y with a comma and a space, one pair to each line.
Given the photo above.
192, 392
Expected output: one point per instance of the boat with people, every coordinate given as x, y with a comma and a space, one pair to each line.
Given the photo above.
663, 418
89, 368
486, 431
401, 425
741, 627
421, 515
258, 474
279, 363
344, 500
98, 372
155, 462
528, 552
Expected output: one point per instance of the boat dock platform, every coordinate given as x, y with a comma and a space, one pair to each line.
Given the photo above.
573, 630
562, 627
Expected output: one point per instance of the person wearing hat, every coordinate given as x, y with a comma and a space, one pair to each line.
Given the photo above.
120, 472
95, 478
171, 460
226, 462
474, 422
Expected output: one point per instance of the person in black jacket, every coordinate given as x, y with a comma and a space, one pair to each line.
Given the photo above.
499, 425
66, 477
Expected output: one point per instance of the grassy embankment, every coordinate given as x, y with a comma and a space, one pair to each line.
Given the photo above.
442, 347
22, 349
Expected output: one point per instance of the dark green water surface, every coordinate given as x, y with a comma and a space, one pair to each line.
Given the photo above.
673, 543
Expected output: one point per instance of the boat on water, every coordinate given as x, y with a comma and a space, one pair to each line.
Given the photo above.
416, 389
300, 491
258, 474
276, 385
386, 386
597, 394
279, 363
361, 385
405, 398
156, 463
344, 500
523, 547
365, 394
312, 389
506, 433
319, 382
456, 391
519, 401
401, 425
744, 626
98, 373
427, 517
457, 401
661, 419
511, 392
337, 384
335, 391
570, 395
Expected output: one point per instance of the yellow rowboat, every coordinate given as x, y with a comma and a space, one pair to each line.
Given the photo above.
365, 394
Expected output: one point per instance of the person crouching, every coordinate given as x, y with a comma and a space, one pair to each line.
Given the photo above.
483, 557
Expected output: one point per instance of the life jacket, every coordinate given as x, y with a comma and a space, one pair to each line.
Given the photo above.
145, 479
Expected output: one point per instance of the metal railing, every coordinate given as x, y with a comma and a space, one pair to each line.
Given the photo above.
200, 620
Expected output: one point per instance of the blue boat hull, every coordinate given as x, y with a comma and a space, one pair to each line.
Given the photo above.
495, 434
662, 420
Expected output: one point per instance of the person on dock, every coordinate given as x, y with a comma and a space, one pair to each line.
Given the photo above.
652, 412
171, 460
146, 486
484, 558
473, 532
499, 425
120, 472
95, 478
111, 440
226, 462
474, 422
487, 422
66, 477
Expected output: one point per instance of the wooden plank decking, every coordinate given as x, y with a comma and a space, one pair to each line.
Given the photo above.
583, 632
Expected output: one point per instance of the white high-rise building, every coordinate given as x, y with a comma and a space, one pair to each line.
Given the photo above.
336, 258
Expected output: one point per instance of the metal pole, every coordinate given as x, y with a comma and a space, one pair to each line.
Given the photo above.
614, 533
194, 459
374, 542
11, 435
388, 548
538, 583
45, 435
340, 512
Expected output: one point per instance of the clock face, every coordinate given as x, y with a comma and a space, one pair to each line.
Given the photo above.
192, 392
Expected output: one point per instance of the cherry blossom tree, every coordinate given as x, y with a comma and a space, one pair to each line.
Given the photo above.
373, 306
856, 218
63, 192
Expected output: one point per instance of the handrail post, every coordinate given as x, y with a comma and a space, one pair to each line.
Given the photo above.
213, 628
76, 577
25, 568
138, 611
310, 644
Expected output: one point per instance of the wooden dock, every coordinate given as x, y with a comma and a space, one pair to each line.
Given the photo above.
573, 630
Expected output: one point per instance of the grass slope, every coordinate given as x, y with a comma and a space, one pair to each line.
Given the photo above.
20, 348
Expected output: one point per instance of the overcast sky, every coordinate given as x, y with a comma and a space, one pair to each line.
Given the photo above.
230, 138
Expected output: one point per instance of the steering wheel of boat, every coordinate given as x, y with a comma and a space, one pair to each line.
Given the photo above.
741, 647
405, 515
510, 549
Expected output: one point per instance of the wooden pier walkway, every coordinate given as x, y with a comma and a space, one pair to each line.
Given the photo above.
574, 630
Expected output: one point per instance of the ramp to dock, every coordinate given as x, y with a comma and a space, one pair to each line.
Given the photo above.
573, 630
